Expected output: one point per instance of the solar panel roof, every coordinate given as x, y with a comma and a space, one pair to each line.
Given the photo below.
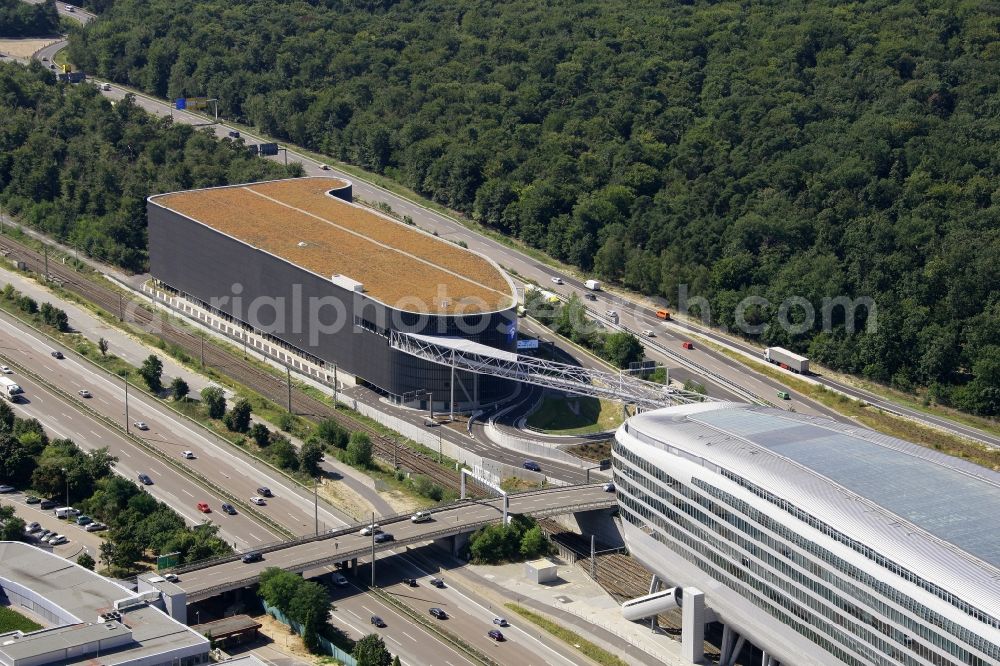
949, 503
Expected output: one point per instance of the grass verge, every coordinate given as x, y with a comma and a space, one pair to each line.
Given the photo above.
876, 419
588, 649
11, 620
576, 416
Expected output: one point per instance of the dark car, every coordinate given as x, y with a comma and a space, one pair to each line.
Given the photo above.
378, 622
57, 354
228, 508
234, 133
145, 480
496, 635
48, 504
532, 465
382, 537
437, 582
252, 557
439, 614
264, 491
31, 499
412, 582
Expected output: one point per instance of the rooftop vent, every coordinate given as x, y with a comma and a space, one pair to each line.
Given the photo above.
347, 283
303, 244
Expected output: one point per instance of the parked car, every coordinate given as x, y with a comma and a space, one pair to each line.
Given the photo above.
141, 425
378, 622
228, 508
609, 487
32, 499
264, 491
204, 507
5, 370
145, 480
234, 134
251, 557
500, 622
383, 537
532, 465
439, 613
495, 634
421, 517
187, 454
44, 534
84, 393
84, 520
46, 504
324, 167
259, 501
368, 530
58, 540
96, 527
7, 489
106, 87
57, 354
32, 527
437, 582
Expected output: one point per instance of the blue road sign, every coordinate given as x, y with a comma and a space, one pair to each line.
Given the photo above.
181, 104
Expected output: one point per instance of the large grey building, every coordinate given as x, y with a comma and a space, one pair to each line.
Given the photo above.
818, 541
329, 279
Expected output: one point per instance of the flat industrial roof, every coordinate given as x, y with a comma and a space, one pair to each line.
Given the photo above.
923, 509
299, 221
84, 595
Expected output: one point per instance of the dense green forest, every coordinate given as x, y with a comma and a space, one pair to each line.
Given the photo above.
776, 149
19, 19
80, 168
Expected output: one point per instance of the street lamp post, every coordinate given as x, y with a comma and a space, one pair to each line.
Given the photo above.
66, 479
125, 377
373, 548
316, 502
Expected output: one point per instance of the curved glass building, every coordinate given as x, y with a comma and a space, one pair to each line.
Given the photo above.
818, 541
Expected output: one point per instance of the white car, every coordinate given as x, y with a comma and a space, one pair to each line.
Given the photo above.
649, 333
259, 501
84, 393
5, 370
187, 454
367, 530
32, 527
95, 527
141, 425
55, 539
557, 280
106, 87
171, 578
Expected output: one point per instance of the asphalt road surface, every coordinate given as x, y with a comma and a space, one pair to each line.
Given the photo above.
292, 507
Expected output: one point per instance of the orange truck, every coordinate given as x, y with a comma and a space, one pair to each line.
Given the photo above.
663, 314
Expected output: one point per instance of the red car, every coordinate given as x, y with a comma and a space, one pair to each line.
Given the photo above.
204, 507
687, 345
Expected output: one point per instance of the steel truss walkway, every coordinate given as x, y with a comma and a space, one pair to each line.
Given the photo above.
460, 354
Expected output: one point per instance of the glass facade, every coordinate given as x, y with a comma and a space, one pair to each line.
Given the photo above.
856, 617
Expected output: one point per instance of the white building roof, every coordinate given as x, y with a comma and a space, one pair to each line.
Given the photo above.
936, 515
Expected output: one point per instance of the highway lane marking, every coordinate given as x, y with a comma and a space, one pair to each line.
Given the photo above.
186, 492
125, 453
353, 613
408, 636
95, 434
257, 538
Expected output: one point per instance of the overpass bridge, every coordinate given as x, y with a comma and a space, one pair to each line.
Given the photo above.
203, 580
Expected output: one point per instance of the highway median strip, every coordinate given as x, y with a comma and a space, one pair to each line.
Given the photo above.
183, 469
590, 650
433, 628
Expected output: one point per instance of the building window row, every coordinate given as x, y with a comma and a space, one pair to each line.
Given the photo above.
919, 628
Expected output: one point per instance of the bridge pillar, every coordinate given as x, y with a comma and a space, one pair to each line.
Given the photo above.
693, 625
454, 544
353, 566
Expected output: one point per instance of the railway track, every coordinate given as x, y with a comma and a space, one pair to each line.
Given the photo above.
226, 363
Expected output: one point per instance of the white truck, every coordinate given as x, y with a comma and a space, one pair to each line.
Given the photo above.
11, 391
787, 360
593, 285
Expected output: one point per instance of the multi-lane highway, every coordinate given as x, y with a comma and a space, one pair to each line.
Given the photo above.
214, 578
291, 507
